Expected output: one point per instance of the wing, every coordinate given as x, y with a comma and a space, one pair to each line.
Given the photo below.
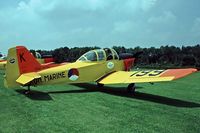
145, 76
27, 78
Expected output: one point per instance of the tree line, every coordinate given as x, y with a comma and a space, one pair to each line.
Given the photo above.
162, 57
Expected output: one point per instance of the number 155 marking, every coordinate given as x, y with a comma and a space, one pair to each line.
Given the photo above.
147, 73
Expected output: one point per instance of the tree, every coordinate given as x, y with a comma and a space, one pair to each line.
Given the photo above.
188, 60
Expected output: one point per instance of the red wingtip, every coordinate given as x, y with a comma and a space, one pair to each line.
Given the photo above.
178, 73
2, 60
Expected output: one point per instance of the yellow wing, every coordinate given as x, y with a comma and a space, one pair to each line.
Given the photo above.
27, 78
145, 76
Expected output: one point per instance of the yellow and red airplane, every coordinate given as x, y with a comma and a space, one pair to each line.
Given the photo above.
103, 66
46, 60
2, 61
2, 64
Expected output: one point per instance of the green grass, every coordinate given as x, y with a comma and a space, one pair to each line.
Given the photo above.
162, 107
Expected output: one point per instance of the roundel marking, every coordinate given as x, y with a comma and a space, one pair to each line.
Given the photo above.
12, 60
73, 74
110, 65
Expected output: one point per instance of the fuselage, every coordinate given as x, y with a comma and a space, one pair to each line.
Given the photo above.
78, 72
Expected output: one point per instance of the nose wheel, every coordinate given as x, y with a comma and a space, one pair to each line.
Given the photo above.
131, 88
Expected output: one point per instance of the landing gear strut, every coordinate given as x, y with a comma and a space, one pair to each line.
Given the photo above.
131, 88
28, 90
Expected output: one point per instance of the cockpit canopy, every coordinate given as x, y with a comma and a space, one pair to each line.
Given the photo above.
100, 55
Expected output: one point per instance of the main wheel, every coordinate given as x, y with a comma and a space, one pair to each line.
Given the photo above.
131, 88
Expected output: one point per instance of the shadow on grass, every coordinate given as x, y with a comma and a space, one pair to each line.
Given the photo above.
117, 91
35, 95
121, 91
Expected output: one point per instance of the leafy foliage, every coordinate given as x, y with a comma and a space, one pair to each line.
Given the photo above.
161, 57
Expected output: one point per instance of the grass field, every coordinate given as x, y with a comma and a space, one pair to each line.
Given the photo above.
163, 107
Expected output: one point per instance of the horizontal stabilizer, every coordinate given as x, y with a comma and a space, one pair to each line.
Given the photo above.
27, 78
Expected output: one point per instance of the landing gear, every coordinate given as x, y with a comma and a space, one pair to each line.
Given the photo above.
100, 85
131, 88
27, 91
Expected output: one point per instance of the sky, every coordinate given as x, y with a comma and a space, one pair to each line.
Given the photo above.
50, 24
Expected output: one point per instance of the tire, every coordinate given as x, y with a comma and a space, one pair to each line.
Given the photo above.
131, 88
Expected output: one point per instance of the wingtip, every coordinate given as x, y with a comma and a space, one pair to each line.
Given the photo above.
192, 69
179, 73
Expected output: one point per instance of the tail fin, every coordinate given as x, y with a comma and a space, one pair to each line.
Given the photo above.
19, 61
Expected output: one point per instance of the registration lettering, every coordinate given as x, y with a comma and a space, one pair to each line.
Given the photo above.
54, 76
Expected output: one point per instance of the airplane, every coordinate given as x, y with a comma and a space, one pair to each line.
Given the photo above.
103, 66
44, 60
2, 61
